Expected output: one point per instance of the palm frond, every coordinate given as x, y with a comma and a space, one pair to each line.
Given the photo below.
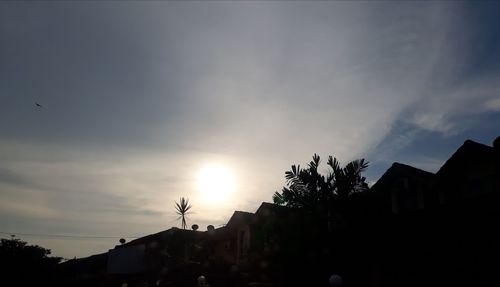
182, 209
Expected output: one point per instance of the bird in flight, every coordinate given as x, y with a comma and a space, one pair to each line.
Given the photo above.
38, 105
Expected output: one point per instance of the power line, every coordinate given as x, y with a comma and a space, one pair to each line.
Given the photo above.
66, 236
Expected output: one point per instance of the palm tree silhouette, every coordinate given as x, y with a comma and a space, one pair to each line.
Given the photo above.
182, 209
348, 180
323, 195
306, 187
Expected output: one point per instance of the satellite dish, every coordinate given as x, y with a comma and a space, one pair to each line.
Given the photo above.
202, 281
335, 280
122, 240
195, 227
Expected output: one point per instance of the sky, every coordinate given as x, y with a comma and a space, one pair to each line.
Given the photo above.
139, 97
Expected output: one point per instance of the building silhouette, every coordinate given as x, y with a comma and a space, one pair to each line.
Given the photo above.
412, 228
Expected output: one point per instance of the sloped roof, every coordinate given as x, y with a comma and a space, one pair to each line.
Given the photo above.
470, 154
273, 206
159, 236
398, 170
265, 208
473, 170
93, 262
240, 217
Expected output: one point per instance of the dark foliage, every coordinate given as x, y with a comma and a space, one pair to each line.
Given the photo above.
309, 189
23, 264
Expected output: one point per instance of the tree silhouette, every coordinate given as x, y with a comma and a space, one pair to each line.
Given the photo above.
348, 180
182, 209
307, 188
27, 265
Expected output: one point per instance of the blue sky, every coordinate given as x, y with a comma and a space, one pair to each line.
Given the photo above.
139, 97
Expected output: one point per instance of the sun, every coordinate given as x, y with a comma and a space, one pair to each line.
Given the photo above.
216, 183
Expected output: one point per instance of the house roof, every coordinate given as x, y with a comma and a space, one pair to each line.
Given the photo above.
92, 262
470, 155
273, 206
160, 236
471, 171
399, 170
239, 217
265, 208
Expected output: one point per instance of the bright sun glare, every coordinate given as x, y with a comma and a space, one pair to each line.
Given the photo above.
215, 183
